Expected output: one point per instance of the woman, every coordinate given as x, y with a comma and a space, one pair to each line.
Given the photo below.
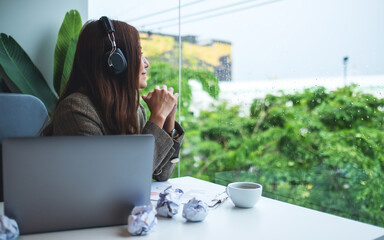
99, 101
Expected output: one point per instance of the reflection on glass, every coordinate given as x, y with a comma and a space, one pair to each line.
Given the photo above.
285, 93
301, 111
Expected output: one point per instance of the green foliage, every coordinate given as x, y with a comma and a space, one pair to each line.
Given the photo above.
163, 73
318, 149
65, 49
21, 75
18, 74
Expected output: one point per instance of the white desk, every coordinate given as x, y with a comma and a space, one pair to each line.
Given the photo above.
269, 219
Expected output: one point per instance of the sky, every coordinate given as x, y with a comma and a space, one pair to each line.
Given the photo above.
271, 39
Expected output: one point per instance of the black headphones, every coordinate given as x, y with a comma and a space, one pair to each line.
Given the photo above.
116, 60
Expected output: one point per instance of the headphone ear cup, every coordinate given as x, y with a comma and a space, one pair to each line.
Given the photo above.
117, 61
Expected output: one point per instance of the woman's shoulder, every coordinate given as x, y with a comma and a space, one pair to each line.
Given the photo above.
76, 115
77, 97
76, 102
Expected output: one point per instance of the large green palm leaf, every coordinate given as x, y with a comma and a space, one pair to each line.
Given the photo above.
65, 49
22, 73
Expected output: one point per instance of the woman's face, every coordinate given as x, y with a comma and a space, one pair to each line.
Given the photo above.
143, 72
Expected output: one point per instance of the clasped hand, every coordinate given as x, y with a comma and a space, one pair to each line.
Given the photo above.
162, 104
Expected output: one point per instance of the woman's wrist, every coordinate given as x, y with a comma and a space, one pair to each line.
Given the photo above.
169, 129
158, 120
169, 124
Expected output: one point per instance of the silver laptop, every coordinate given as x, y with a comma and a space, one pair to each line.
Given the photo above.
62, 183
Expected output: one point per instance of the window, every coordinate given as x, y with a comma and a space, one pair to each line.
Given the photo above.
285, 93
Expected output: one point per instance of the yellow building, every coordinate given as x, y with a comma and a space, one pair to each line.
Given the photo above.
215, 56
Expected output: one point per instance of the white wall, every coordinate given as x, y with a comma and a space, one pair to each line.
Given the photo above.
34, 24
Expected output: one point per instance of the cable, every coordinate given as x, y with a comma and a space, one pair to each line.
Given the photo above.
220, 14
200, 13
164, 11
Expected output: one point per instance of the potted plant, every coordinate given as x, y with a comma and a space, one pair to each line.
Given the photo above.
18, 74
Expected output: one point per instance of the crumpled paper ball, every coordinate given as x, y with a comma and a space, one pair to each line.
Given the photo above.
8, 228
195, 210
169, 202
142, 220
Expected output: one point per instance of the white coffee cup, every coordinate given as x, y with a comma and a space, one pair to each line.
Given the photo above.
244, 194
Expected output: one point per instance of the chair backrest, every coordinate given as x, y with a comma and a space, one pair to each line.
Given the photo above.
21, 115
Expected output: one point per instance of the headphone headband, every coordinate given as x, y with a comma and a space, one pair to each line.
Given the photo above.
107, 24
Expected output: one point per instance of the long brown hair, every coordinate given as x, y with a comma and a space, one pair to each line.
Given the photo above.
116, 97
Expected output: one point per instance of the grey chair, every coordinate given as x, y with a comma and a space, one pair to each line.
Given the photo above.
21, 115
